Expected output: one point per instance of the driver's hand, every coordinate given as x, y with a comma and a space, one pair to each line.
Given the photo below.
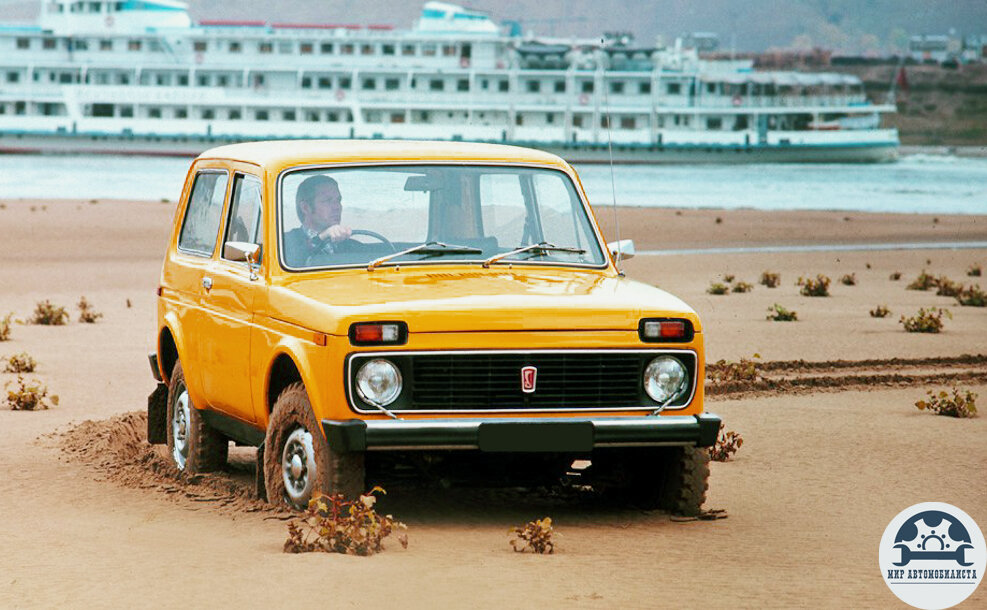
336, 233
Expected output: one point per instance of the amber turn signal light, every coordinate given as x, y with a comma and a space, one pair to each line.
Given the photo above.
665, 330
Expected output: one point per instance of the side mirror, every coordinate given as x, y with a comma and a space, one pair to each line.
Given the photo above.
622, 250
241, 251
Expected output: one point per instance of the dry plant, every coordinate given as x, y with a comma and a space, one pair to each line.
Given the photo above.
728, 278
742, 287
946, 287
534, 535
958, 405
5, 323
972, 297
47, 314
726, 445
333, 524
770, 279
895, 276
974, 270
718, 288
20, 363
881, 311
723, 371
818, 287
926, 320
850, 279
29, 396
924, 281
777, 313
87, 314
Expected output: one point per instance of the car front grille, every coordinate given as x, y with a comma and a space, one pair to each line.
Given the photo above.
468, 381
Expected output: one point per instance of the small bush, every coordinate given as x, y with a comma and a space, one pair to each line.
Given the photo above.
972, 296
946, 287
728, 278
5, 323
535, 535
29, 396
87, 314
770, 279
957, 405
849, 279
881, 311
894, 277
726, 445
742, 287
718, 288
723, 371
818, 287
49, 315
974, 270
332, 524
926, 320
924, 281
777, 313
20, 363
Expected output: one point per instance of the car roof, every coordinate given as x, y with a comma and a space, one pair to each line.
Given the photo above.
279, 154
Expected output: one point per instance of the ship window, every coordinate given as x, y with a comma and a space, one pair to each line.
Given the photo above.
154, 113
391, 84
235, 46
161, 79
261, 115
306, 82
397, 117
208, 113
235, 114
710, 87
133, 45
560, 86
333, 117
105, 45
685, 119
367, 49
436, 84
326, 48
183, 80
463, 84
181, 113
312, 116
346, 49
448, 50
627, 122
603, 122
222, 80
3, 108
387, 49
407, 49
617, 87
203, 80
20, 107
265, 48
23, 43
94, 7
674, 88
200, 46
519, 120
154, 46
80, 45
48, 43
532, 86
661, 121
503, 86
369, 83
428, 50
306, 48
550, 118
325, 82
345, 82
714, 123
13, 77
577, 120
484, 84
288, 115
644, 88
587, 86
124, 79
65, 77
258, 80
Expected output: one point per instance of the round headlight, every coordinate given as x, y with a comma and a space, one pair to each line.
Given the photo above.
379, 381
665, 378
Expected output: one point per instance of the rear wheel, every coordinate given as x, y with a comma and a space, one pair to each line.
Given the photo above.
193, 445
298, 462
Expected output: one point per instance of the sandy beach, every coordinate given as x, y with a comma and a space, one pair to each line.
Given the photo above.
833, 448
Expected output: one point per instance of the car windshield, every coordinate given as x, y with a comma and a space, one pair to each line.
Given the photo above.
358, 215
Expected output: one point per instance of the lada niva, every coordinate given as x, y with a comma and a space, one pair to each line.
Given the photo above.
362, 307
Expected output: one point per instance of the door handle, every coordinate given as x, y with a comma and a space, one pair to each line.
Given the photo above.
207, 283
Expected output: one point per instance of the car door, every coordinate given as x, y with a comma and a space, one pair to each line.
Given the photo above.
228, 303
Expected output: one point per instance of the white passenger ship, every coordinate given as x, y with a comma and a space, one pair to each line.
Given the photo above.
139, 76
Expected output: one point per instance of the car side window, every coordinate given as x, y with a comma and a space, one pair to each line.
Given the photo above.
200, 229
245, 212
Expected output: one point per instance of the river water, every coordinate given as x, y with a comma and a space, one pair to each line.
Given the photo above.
914, 184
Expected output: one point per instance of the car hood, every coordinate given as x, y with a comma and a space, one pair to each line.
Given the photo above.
437, 299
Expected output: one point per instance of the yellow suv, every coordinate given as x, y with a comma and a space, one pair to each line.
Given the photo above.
359, 308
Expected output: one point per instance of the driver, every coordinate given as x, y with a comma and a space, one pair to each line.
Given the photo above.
319, 207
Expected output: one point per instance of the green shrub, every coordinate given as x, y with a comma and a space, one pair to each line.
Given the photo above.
926, 320
87, 314
534, 535
777, 313
742, 287
47, 314
29, 396
723, 371
924, 281
974, 270
333, 524
728, 277
717, 288
818, 287
770, 279
849, 279
895, 276
972, 296
20, 363
727, 443
946, 287
957, 405
881, 311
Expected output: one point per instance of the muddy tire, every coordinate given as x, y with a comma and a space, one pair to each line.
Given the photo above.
686, 480
193, 445
298, 462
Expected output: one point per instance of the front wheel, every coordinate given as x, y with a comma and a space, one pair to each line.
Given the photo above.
193, 445
670, 478
298, 462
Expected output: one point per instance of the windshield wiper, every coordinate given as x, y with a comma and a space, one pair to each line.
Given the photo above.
539, 247
435, 248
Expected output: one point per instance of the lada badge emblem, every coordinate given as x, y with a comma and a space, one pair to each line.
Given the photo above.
529, 376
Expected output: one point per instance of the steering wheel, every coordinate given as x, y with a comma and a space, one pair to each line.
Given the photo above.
376, 236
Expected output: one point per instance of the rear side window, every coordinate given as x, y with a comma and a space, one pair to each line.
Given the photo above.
203, 214
245, 211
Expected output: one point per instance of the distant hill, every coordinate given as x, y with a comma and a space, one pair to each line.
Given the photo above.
846, 26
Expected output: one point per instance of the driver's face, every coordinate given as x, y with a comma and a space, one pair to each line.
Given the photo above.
326, 209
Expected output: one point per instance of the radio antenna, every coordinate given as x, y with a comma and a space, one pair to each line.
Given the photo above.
613, 182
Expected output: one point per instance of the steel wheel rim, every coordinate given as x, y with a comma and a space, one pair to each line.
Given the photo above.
298, 469
180, 420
